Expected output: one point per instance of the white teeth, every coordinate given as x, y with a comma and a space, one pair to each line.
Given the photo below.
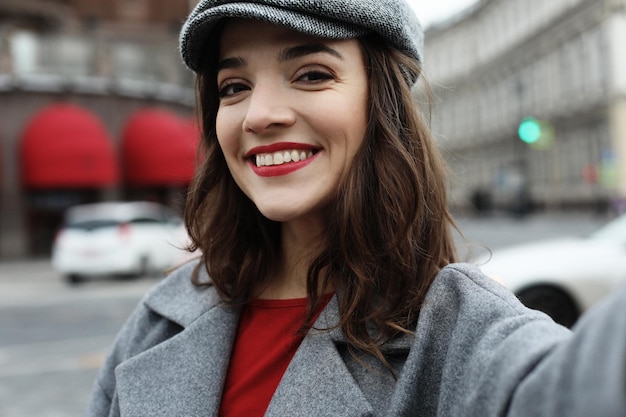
279, 158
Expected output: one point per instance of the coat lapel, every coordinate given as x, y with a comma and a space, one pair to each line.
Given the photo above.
183, 376
317, 381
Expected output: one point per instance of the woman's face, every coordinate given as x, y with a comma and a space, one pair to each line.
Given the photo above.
292, 115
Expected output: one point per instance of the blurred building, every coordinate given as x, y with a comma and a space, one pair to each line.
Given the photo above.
530, 102
95, 104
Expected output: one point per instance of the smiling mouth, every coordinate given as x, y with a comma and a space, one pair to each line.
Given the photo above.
282, 157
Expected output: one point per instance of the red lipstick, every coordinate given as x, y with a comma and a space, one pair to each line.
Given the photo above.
282, 169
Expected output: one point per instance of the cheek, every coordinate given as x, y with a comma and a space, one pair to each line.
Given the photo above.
358, 128
225, 134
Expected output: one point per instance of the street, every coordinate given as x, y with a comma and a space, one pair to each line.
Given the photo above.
54, 337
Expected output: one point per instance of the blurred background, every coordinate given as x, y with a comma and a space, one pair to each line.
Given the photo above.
531, 104
529, 107
95, 105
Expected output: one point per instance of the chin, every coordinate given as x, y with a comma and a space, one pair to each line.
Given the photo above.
285, 214
278, 215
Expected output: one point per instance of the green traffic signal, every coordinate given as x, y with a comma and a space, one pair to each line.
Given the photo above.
529, 130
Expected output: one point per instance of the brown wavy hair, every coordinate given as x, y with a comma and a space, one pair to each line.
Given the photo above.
389, 232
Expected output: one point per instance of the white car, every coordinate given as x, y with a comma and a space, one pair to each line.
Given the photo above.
563, 277
118, 239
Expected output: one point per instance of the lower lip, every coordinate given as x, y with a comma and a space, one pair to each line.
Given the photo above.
280, 170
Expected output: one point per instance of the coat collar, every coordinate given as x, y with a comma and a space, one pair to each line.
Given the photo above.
184, 375
176, 298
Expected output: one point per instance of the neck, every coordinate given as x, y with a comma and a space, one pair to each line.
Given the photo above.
300, 245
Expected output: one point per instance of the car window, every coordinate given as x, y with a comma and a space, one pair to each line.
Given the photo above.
145, 220
92, 224
169, 216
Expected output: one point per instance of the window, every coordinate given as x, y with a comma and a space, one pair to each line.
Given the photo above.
24, 49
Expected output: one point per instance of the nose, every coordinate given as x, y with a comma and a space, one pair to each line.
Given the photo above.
268, 108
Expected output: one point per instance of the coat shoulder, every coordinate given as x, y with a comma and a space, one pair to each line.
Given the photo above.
474, 342
168, 308
466, 283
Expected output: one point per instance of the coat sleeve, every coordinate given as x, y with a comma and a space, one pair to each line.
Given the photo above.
480, 352
584, 376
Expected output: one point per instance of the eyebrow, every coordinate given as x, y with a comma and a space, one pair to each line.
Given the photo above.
286, 54
229, 63
299, 51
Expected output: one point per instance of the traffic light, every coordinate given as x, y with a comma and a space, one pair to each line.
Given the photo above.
539, 134
529, 130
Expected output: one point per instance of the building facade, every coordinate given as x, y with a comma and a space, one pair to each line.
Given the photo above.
80, 80
559, 64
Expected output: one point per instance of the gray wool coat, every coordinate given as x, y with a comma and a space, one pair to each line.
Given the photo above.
476, 351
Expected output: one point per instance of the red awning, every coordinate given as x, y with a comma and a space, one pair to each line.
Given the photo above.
158, 148
66, 146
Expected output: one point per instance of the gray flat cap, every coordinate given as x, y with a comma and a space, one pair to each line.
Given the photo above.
393, 20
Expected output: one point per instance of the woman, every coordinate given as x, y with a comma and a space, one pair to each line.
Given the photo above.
326, 285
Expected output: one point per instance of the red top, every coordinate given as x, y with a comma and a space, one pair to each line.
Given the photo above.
267, 338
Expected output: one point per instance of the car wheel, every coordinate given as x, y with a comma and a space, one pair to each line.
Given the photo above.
553, 301
74, 279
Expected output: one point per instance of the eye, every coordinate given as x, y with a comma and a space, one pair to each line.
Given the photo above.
232, 88
315, 76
